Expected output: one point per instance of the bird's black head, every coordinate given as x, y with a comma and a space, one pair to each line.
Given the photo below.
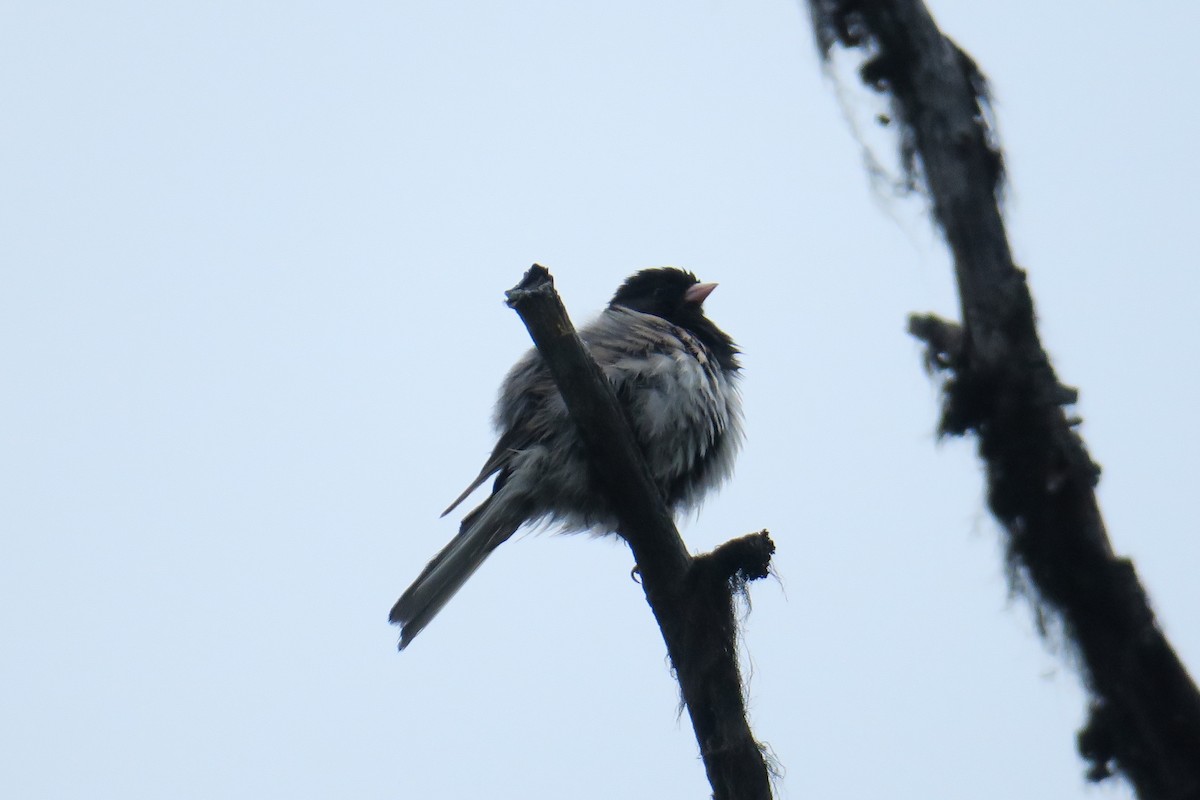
678, 297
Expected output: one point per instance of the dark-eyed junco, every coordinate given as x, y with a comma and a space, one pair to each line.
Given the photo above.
675, 371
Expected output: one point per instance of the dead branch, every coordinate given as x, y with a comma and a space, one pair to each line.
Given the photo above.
1144, 719
691, 598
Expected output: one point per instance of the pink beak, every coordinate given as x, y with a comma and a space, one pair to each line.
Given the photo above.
698, 293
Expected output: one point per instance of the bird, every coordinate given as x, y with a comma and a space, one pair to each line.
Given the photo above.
676, 374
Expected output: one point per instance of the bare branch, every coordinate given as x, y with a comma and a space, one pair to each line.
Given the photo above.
691, 598
1145, 709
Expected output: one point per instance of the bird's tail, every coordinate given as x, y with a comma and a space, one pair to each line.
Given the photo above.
482, 531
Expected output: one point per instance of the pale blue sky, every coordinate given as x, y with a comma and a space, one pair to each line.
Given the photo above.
254, 262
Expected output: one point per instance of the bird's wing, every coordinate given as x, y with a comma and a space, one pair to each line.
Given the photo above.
512, 441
